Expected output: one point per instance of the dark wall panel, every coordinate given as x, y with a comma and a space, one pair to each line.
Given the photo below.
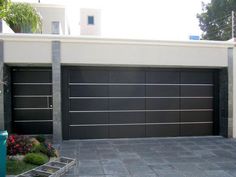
197, 77
88, 91
32, 89
196, 103
126, 76
196, 91
127, 131
162, 91
32, 100
88, 104
162, 77
163, 130
162, 104
137, 102
127, 91
127, 104
126, 117
88, 76
196, 116
88, 132
196, 129
33, 127
28, 75
89, 118
162, 116
33, 114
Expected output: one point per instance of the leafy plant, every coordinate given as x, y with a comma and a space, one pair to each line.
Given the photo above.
40, 138
15, 167
215, 19
45, 148
36, 158
18, 144
22, 17
4, 7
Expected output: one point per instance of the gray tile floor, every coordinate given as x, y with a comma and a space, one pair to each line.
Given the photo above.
153, 157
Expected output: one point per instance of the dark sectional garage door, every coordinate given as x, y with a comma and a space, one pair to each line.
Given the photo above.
133, 102
32, 100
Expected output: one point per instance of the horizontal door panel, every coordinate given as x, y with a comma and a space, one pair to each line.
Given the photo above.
197, 116
127, 104
196, 77
88, 104
32, 114
88, 76
32, 90
90, 132
162, 117
163, 130
33, 127
88, 91
127, 117
127, 91
196, 103
31, 102
162, 103
196, 91
127, 131
126, 76
89, 118
196, 129
162, 77
31, 76
162, 91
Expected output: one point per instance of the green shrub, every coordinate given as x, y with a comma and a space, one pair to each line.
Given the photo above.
45, 148
41, 138
15, 167
36, 158
36, 148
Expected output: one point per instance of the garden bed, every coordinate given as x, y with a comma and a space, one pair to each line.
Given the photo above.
25, 153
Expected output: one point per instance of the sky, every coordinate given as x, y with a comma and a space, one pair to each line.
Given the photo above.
142, 19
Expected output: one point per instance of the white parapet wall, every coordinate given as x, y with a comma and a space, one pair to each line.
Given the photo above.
36, 49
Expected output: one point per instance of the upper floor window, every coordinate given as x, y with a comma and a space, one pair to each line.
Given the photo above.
90, 20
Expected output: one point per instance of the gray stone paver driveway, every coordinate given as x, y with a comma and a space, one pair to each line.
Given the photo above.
153, 157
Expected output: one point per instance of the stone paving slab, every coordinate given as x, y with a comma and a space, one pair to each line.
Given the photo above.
153, 157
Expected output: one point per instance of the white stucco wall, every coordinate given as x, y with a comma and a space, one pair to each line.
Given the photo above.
85, 28
143, 54
52, 13
26, 48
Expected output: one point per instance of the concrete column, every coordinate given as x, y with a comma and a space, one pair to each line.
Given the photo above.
56, 91
223, 102
230, 92
2, 122
233, 88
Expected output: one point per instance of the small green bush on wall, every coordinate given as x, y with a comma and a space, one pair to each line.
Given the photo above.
23, 18
36, 158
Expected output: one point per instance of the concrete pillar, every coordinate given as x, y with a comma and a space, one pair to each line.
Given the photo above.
230, 92
233, 95
56, 91
2, 122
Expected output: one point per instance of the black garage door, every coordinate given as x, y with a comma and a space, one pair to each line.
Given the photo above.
32, 100
137, 102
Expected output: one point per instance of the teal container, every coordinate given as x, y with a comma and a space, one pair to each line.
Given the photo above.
3, 152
